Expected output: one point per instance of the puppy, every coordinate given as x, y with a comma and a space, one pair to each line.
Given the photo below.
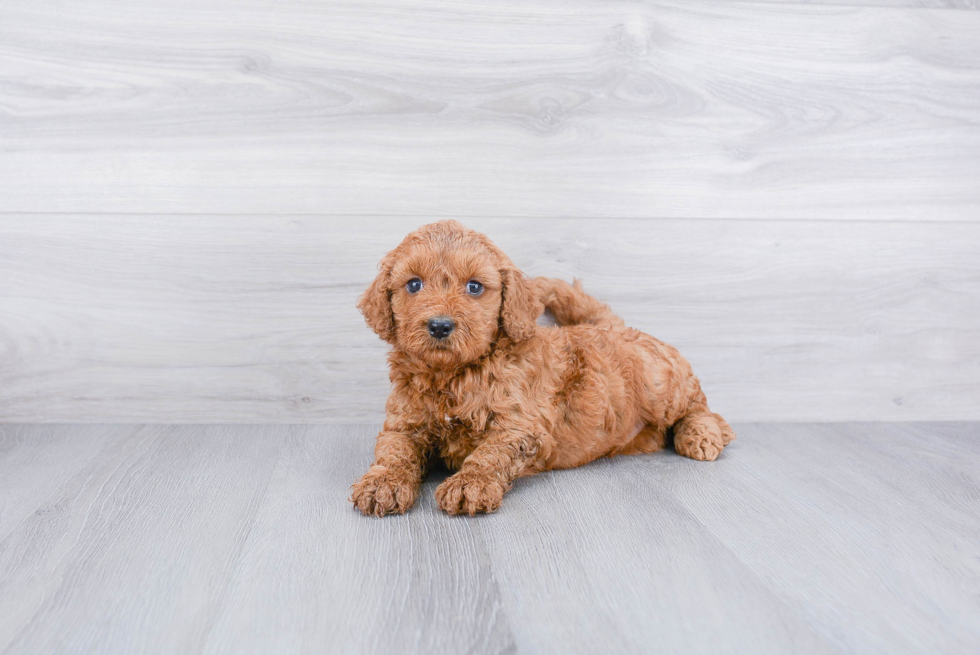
477, 383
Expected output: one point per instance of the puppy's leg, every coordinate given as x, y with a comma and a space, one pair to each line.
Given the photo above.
702, 434
649, 439
487, 473
392, 483
675, 398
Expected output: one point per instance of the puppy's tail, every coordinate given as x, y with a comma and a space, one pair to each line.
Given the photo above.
572, 306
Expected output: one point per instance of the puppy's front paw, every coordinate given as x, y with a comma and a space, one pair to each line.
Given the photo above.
470, 493
384, 491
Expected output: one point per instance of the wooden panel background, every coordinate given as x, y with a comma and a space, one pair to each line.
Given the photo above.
491, 108
192, 195
252, 318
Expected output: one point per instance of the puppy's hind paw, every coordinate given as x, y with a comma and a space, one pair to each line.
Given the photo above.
702, 435
384, 491
702, 450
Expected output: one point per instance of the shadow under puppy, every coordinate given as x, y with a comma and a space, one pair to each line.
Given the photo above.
476, 382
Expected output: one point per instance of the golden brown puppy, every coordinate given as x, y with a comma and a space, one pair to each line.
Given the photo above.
476, 382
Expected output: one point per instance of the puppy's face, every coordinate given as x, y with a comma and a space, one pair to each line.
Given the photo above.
446, 302
446, 294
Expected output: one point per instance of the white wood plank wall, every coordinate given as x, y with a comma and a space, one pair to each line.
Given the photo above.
192, 195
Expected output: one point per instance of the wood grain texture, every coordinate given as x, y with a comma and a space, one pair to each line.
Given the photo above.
522, 108
133, 553
36, 461
252, 318
925, 4
316, 574
594, 560
826, 507
802, 538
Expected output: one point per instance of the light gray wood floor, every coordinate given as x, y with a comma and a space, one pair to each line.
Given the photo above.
859, 538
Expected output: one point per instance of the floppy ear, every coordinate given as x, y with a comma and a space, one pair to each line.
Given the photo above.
519, 306
375, 303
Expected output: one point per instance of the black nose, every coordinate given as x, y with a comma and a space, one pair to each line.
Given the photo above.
441, 326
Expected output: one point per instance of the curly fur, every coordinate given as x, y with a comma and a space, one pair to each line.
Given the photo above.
502, 397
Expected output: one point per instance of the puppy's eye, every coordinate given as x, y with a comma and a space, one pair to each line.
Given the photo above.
414, 285
474, 288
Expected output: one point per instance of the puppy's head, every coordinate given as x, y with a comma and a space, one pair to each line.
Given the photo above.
446, 294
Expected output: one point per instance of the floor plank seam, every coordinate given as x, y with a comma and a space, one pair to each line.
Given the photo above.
236, 559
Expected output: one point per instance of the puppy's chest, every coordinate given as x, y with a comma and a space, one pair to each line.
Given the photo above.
454, 440
456, 432
456, 414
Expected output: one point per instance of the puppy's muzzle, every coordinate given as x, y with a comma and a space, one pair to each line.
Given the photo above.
441, 327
